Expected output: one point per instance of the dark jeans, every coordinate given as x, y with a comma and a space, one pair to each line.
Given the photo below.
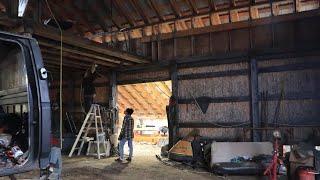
88, 101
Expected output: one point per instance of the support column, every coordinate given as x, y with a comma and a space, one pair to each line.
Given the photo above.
254, 92
113, 90
173, 135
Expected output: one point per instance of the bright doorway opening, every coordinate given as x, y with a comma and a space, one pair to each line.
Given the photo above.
149, 101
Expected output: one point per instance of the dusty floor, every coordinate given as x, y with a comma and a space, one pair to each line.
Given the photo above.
144, 166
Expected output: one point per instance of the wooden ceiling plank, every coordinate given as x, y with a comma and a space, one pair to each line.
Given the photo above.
125, 100
156, 9
97, 13
65, 61
82, 53
137, 7
192, 5
130, 97
77, 58
80, 16
164, 88
86, 44
123, 13
175, 8
140, 90
142, 99
104, 7
161, 97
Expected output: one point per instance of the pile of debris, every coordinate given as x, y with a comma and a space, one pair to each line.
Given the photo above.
244, 158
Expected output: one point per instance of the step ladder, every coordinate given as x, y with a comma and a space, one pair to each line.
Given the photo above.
92, 123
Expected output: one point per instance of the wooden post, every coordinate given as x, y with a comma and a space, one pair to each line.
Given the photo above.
254, 92
174, 81
113, 90
153, 51
159, 49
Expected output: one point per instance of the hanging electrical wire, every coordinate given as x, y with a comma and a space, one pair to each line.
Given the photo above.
61, 70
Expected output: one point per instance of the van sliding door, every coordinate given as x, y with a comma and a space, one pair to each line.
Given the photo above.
23, 104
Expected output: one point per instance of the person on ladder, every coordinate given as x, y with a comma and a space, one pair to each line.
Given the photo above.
89, 91
126, 134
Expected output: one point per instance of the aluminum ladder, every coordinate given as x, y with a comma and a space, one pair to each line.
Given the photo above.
92, 123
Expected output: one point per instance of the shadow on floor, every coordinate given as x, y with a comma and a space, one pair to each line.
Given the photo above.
116, 167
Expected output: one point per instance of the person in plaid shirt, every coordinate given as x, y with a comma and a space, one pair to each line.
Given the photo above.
126, 134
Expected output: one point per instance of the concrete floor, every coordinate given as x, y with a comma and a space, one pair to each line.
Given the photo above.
144, 166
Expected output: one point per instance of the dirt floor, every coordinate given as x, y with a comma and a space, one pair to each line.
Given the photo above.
144, 166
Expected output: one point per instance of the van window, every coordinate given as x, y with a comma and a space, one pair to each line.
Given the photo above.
14, 106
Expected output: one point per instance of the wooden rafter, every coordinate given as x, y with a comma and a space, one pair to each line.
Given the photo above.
155, 7
87, 44
67, 61
76, 58
192, 5
110, 62
131, 98
125, 100
164, 87
97, 11
154, 94
135, 4
140, 91
64, 14
175, 8
80, 16
123, 13
104, 9
212, 5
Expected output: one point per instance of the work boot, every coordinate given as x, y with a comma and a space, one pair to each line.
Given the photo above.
119, 160
129, 159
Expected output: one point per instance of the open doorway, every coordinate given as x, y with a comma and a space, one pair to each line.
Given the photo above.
149, 101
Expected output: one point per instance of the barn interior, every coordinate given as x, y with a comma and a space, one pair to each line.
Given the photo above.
214, 84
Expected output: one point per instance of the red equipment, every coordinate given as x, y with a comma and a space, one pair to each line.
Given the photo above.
273, 167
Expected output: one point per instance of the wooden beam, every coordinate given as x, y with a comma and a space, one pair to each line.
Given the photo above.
110, 62
204, 13
175, 8
123, 13
66, 61
156, 9
76, 58
86, 44
232, 26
